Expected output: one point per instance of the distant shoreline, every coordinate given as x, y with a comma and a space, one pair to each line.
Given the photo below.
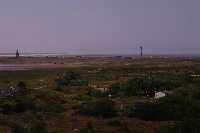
98, 55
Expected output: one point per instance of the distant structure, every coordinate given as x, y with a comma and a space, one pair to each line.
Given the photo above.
141, 51
17, 53
159, 95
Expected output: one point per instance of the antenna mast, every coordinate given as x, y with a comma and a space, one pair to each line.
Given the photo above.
141, 51
17, 53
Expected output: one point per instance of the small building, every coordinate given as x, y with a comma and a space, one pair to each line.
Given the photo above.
159, 95
103, 90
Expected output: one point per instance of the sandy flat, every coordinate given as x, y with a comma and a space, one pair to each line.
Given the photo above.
14, 67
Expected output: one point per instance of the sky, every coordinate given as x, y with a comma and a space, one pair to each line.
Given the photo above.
100, 26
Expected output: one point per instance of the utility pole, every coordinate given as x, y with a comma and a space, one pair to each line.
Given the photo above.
141, 51
17, 53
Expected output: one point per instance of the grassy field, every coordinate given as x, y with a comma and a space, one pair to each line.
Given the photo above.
67, 99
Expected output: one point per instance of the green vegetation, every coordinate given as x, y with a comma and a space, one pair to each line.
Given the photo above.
106, 95
99, 108
69, 79
186, 126
144, 86
88, 129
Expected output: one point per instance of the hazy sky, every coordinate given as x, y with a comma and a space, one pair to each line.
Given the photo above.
100, 26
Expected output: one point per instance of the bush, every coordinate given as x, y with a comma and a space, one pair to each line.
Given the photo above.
169, 108
8, 106
49, 101
69, 79
20, 130
37, 129
21, 101
38, 101
99, 108
22, 89
143, 86
88, 129
186, 126
38, 126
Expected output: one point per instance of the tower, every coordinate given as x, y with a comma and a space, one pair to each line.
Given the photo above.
141, 51
17, 53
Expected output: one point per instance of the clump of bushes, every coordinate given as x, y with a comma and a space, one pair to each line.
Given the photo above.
20, 102
32, 100
69, 79
8, 106
49, 101
88, 129
99, 108
178, 106
36, 128
29, 130
38, 125
144, 86
185, 126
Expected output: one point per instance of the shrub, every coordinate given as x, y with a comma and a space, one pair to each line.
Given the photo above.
169, 108
38, 127
69, 79
29, 130
7, 106
49, 101
22, 90
99, 108
186, 126
20, 101
88, 129
144, 86
20, 130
